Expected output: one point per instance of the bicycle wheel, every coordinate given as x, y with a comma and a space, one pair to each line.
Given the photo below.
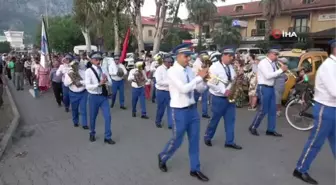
297, 121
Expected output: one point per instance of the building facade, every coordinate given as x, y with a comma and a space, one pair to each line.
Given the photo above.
15, 38
315, 18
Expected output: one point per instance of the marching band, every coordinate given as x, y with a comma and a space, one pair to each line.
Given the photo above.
178, 85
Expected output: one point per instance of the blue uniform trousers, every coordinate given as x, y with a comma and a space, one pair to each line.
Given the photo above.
162, 101
324, 128
266, 96
154, 90
97, 101
185, 120
78, 100
204, 100
138, 93
118, 86
221, 107
66, 98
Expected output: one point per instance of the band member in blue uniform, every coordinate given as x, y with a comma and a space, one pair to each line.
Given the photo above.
74, 79
163, 97
61, 71
118, 73
139, 79
324, 113
182, 83
266, 94
221, 106
95, 83
200, 62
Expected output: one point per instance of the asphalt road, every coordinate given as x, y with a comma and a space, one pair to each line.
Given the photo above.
48, 150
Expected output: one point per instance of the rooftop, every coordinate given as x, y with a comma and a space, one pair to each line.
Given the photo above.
254, 8
151, 22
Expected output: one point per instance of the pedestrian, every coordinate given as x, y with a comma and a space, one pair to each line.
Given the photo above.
19, 74
95, 83
56, 83
240, 81
61, 71
266, 75
221, 106
2, 84
74, 79
139, 79
28, 72
324, 117
42, 74
163, 96
200, 61
182, 83
118, 73
252, 92
279, 86
11, 65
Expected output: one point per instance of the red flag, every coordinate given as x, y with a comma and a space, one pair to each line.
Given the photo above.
125, 46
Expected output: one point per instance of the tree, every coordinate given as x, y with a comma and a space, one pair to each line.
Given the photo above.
271, 9
225, 33
83, 16
175, 37
160, 19
201, 11
118, 7
63, 34
134, 9
5, 47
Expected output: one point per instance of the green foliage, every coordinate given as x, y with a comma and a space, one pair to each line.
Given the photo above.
63, 34
225, 33
174, 38
5, 47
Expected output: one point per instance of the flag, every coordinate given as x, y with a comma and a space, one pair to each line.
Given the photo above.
125, 46
44, 46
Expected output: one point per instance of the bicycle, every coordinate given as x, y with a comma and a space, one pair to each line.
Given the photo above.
303, 98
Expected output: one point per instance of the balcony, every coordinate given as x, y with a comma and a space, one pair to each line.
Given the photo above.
299, 29
258, 32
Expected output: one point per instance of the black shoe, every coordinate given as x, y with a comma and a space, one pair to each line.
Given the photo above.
22, 89
233, 146
59, 105
275, 134
109, 141
112, 106
162, 166
304, 177
144, 117
75, 125
92, 138
123, 107
153, 101
17, 89
208, 142
85, 127
253, 131
158, 125
169, 128
205, 116
66, 109
133, 114
199, 175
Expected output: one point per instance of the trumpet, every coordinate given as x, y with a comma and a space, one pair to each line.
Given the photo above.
288, 72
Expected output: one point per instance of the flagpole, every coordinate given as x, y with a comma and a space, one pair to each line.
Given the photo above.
46, 33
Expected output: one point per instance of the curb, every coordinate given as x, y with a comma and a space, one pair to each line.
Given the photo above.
7, 138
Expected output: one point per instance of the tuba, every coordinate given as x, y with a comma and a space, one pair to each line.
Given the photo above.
139, 78
206, 62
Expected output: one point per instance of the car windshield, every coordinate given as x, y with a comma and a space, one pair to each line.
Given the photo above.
293, 62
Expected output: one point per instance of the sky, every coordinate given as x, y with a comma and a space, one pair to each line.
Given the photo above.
149, 7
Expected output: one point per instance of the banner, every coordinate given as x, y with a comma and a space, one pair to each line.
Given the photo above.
44, 46
125, 46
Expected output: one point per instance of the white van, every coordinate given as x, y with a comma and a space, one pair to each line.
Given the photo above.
256, 51
82, 48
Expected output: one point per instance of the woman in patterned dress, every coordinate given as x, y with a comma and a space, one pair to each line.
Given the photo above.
240, 78
253, 83
42, 75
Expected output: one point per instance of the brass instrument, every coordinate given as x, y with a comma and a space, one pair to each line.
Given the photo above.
139, 78
206, 62
120, 72
75, 78
215, 80
288, 72
234, 93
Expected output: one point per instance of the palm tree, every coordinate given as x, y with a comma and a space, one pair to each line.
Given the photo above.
201, 11
225, 33
271, 9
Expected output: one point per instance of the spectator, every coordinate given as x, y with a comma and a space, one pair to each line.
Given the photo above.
11, 65
279, 86
2, 84
253, 99
28, 72
19, 78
